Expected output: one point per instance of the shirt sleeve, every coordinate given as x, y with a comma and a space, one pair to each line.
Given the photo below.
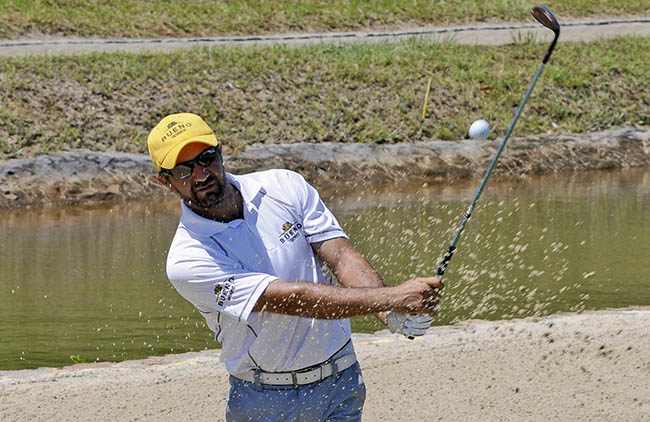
216, 283
319, 223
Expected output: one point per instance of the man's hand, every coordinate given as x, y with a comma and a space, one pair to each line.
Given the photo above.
419, 295
408, 325
424, 298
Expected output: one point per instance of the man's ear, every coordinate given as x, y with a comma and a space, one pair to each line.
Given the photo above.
163, 180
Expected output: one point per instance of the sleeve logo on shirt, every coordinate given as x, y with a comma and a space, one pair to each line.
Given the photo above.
224, 291
290, 232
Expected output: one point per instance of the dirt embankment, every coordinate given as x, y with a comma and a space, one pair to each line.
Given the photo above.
85, 177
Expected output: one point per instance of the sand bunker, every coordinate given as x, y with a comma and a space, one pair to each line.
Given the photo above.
593, 366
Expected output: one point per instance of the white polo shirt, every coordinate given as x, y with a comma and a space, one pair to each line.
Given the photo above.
223, 268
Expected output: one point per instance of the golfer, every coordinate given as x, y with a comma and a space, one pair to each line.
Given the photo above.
255, 255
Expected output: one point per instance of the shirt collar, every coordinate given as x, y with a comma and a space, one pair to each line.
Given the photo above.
251, 192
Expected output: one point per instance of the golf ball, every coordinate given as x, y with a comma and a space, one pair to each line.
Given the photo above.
480, 129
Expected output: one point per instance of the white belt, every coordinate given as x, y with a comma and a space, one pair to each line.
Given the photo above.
301, 377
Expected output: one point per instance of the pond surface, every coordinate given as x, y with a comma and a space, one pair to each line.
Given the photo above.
90, 282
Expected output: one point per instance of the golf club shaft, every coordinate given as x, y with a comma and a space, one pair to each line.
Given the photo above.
468, 213
546, 18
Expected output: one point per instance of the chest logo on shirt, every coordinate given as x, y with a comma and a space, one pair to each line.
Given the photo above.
224, 291
290, 232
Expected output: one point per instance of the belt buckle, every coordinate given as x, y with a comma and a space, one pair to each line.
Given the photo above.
294, 374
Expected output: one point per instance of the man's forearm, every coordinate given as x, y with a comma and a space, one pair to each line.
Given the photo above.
356, 271
349, 266
418, 295
324, 301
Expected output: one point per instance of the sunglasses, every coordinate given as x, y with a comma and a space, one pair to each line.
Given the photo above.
185, 169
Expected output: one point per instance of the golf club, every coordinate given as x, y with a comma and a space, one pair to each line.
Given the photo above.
546, 18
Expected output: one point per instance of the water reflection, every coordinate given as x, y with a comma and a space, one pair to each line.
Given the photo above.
91, 282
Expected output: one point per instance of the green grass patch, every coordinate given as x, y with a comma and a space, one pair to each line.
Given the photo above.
140, 18
353, 93
77, 359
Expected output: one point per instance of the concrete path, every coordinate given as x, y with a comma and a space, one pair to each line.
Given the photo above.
584, 30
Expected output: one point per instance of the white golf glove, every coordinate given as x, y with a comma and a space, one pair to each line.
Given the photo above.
408, 325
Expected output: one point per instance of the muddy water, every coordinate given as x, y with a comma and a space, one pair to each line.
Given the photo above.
90, 282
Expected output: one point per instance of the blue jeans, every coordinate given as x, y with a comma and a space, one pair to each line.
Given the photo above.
337, 398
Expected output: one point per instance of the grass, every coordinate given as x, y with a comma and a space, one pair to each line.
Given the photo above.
77, 359
353, 93
176, 18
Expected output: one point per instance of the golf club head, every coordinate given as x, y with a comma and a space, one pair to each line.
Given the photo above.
546, 18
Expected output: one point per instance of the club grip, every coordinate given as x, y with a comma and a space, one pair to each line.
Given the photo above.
445, 261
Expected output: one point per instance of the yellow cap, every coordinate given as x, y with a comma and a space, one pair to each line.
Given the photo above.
173, 133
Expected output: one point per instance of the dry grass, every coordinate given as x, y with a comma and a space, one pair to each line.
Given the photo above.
354, 93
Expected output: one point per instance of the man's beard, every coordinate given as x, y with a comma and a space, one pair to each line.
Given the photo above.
210, 200
212, 196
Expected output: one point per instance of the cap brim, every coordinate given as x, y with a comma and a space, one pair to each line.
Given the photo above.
169, 161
